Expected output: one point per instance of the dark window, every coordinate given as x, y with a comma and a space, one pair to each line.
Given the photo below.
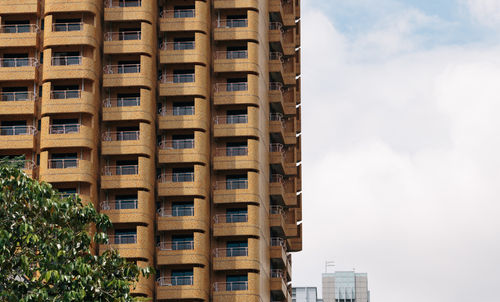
184, 76
129, 34
15, 60
236, 117
129, 66
236, 149
183, 141
184, 11
183, 108
183, 174
236, 248
182, 209
65, 92
182, 242
125, 236
21, 26
128, 99
15, 94
236, 282
236, 215
67, 25
234, 182
129, 3
183, 43
182, 277
125, 202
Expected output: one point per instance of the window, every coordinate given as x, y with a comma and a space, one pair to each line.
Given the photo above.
182, 277
234, 182
236, 117
66, 58
182, 209
125, 202
182, 242
126, 167
15, 94
237, 52
130, 3
236, 248
236, 282
127, 133
63, 160
183, 43
125, 236
183, 175
234, 21
64, 126
128, 99
65, 92
183, 141
129, 34
236, 215
236, 149
22, 26
237, 84
15, 60
66, 192
67, 25
129, 66
183, 108
184, 11
184, 76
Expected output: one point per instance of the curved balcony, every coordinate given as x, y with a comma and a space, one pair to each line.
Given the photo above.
70, 67
184, 151
22, 35
238, 291
188, 52
237, 60
244, 93
18, 69
184, 288
238, 29
237, 125
67, 101
62, 34
66, 136
278, 283
186, 19
17, 103
67, 170
130, 75
129, 108
19, 7
137, 210
277, 251
119, 10
186, 252
237, 258
237, 224
236, 4
135, 246
17, 137
127, 42
190, 117
66, 6
183, 184
237, 158
229, 192
145, 286
131, 176
138, 142
194, 84
193, 218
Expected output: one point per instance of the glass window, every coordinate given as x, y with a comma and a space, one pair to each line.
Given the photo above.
182, 209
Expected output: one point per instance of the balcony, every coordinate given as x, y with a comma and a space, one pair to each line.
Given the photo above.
62, 34
145, 286
17, 137
136, 246
193, 218
186, 19
180, 288
277, 126
276, 6
276, 61
296, 243
67, 136
276, 33
67, 101
128, 176
237, 158
237, 60
278, 251
19, 7
277, 219
28, 166
186, 117
238, 291
185, 252
237, 258
69, 67
185, 150
136, 210
243, 93
17, 103
289, 13
18, 69
238, 29
22, 35
237, 224
278, 283
236, 4
289, 72
130, 42
66, 6
120, 10
129, 108
194, 84
241, 191
185, 52
236, 125
130, 75
289, 42
138, 142
183, 184
66, 170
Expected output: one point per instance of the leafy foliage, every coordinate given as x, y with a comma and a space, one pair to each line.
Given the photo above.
46, 247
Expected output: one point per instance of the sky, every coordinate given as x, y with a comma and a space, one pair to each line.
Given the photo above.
401, 145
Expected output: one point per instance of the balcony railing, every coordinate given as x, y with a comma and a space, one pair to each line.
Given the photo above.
176, 245
177, 78
276, 178
232, 23
177, 144
177, 111
67, 60
276, 147
123, 204
122, 36
231, 87
121, 170
276, 26
176, 177
276, 56
122, 3
23, 164
18, 28
230, 286
65, 94
182, 45
231, 55
175, 281
18, 62
176, 212
231, 218
64, 129
76, 26
122, 239
231, 252
17, 130
113, 136
231, 119
232, 184
122, 102
277, 273
178, 13
276, 117
276, 210
274, 86
123, 68
63, 163
17, 96
277, 241
232, 151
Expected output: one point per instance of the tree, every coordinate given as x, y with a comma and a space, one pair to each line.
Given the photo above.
46, 248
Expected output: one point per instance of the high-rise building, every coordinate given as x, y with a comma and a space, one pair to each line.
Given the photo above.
345, 286
180, 119
305, 294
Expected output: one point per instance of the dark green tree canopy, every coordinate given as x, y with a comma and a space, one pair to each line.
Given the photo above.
45, 246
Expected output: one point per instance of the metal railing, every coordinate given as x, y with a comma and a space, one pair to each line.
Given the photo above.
176, 212
176, 177
278, 210
65, 94
67, 60
230, 286
177, 111
122, 3
231, 119
276, 147
123, 68
17, 96
122, 36
18, 28
176, 245
232, 184
123, 204
122, 239
231, 218
63, 163
231, 55
276, 26
178, 13
112, 136
18, 62
231, 252
232, 151
232, 23
276, 178
64, 129
120, 170
277, 273
276, 56
122, 102
231, 87
17, 130
24, 164
276, 117
181, 45
275, 86
177, 78
277, 241
177, 144
175, 281
74, 26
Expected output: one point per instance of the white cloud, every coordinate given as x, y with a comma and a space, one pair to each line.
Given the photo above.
485, 11
400, 155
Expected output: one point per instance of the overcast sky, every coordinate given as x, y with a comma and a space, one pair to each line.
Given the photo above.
401, 146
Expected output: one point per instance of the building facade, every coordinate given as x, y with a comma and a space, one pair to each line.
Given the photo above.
179, 119
345, 286
305, 294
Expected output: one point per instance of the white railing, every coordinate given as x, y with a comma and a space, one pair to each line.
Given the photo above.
120, 170
17, 96
231, 119
65, 94
175, 281
231, 87
177, 78
18, 62
124, 204
276, 147
122, 239
230, 218
177, 212
176, 245
112, 136
232, 184
276, 117
176, 177
232, 23
231, 54
122, 68
17, 130
122, 102
63, 163
74, 26
19, 28
230, 286
122, 3
177, 111
178, 13
232, 151
277, 273
181, 45
64, 129
177, 144
273, 86
122, 36
231, 252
